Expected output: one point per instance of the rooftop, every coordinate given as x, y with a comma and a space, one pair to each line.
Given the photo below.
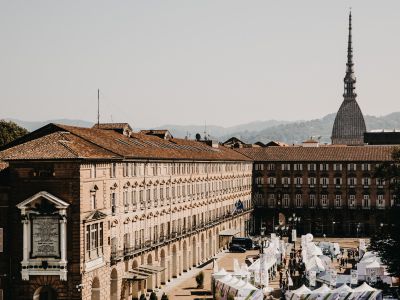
62, 142
323, 153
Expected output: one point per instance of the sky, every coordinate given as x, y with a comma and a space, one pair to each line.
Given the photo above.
223, 62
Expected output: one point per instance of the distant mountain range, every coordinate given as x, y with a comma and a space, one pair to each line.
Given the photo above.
289, 132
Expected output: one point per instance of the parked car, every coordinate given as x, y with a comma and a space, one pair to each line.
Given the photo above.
236, 249
243, 242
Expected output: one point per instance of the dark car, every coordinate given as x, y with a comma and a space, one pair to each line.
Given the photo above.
236, 249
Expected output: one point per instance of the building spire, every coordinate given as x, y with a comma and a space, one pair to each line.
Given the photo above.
349, 79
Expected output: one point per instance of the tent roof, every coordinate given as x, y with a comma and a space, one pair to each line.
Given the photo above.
221, 272
343, 288
322, 289
364, 288
302, 290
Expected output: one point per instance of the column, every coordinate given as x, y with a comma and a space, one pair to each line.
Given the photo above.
63, 244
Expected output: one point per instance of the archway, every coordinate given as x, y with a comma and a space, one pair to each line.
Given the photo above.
210, 244
194, 254
185, 258
45, 293
150, 278
202, 256
174, 262
163, 264
217, 240
95, 289
114, 285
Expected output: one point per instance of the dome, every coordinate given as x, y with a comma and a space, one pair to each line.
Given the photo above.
349, 125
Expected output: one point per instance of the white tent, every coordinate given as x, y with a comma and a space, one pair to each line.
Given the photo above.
344, 288
303, 290
364, 288
221, 273
314, 264
322, 289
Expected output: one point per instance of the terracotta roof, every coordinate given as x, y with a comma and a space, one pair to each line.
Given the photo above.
68, 142
332, 153
112, 125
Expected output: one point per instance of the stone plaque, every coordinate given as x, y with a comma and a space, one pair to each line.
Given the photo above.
45, 236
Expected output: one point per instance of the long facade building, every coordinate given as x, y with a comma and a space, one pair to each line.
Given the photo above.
331, 188
105, 213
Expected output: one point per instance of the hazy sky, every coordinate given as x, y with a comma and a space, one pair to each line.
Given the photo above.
187, 62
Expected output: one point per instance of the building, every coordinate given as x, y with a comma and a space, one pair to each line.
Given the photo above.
331, 188
349, 125
382, 137
105, 213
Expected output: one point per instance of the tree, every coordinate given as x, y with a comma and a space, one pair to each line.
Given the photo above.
386, 242
10, 131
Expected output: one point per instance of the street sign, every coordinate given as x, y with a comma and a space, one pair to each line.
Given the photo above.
354, 277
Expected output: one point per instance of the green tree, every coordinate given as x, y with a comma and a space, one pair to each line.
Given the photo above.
153, 296
386, 242
10, 131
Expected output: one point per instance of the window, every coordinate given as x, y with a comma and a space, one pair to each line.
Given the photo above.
271, 181
285, 167
324, 167
271, 167
351, 167
338, 201
125, 169
366, 181
324, 200
298, 181
134, 199
259, 167
380, 182
298, 200
93, 201
259, 180
113, 203
366, 201
324, 181
338, 181
285, 181
312, 200
113, 170
366, 167
298, 167
352, 181
337, 167
380, 201
286, 200
125, 199
312, 181
94, 239
93, 171
271, 200
352, 200
312, 167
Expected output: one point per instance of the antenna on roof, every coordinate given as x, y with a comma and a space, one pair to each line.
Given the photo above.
98, 108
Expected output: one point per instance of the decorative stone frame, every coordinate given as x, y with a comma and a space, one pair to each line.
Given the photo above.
35, 266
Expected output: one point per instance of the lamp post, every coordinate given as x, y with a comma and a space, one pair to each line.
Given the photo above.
293, 221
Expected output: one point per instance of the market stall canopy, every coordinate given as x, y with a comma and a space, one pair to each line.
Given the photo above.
343, 288
303, 290
364, 288
322, 289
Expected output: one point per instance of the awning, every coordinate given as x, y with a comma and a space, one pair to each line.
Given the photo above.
135, 276
229, 232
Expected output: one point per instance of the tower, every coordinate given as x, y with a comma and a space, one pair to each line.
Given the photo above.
349, 125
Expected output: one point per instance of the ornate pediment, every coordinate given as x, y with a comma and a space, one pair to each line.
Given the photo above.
95, 215
44, 203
